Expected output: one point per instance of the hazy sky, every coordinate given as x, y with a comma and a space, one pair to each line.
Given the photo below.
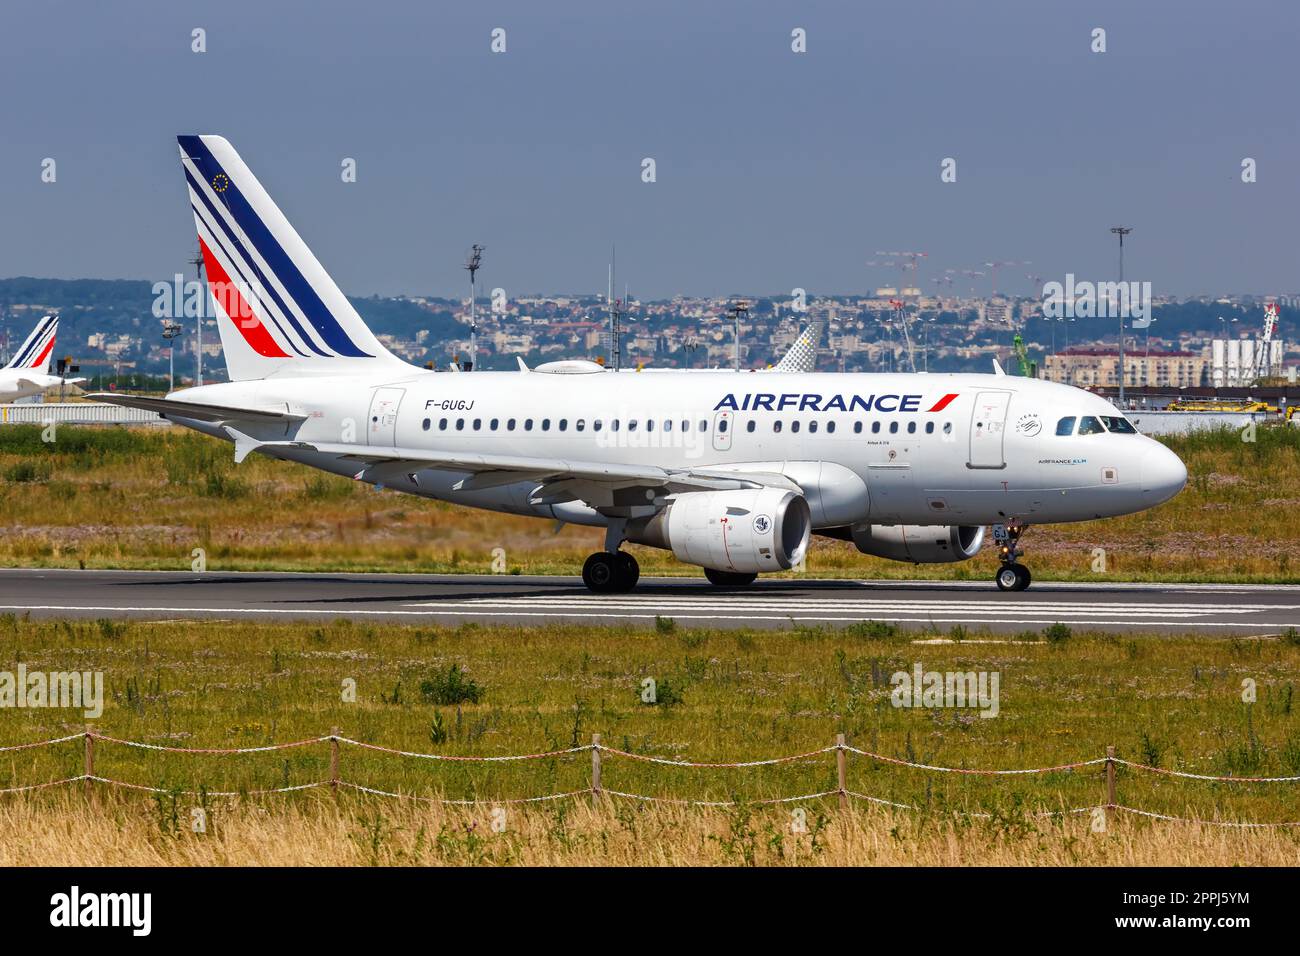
774, 169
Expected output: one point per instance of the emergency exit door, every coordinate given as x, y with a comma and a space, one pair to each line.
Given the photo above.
988, 429
722, 422
382, 427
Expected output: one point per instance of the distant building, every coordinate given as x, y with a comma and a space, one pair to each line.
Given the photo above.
1236, 362
1100, 367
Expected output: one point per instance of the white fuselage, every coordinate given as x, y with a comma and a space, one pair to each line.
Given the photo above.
937, 449
16, 383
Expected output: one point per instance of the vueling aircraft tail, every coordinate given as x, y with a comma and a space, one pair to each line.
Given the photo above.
279, 312
802, 356
37, 351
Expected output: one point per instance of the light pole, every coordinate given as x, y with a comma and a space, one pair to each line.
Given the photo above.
472, 265
737, 311
197, 262
170, 331
1121, 231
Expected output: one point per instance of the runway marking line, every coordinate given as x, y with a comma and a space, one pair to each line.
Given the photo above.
331, 612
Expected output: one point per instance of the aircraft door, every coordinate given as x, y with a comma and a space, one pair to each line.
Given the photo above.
988, 429
382, 427
722, 425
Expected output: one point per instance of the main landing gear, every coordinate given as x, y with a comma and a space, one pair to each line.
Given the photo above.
610, 572
1012, 575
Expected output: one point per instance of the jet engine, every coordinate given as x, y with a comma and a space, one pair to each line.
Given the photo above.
917, 543
745, 531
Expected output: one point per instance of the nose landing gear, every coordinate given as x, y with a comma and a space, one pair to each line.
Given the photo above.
1012, 575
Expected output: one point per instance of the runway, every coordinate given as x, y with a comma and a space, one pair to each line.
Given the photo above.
1208, 609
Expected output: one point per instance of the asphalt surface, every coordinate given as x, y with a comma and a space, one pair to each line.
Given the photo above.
1210, 609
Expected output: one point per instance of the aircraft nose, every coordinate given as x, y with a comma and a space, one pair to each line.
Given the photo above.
1163, 474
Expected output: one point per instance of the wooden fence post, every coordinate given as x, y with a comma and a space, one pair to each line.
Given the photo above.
90, 763
334, 760
595, 770
1110, 781
841, 770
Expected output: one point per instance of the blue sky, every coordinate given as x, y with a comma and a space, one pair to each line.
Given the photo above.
774, 169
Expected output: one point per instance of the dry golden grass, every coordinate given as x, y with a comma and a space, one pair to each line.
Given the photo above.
145, 498
320, 832
1173, 702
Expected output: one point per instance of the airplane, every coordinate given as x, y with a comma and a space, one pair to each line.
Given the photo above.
733, 473
27, 373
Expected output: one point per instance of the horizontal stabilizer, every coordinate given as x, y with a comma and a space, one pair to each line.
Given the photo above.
172, 408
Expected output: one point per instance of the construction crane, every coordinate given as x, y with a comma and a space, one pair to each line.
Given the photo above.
972, 274
906, 262
1028, 368
900, 310
1264, 345
993, 268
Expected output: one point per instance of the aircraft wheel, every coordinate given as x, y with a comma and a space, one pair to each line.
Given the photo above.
600, 572
629, 572
1012, 577
729, 579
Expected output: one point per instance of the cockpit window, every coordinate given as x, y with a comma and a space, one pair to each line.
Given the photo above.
1119, 424
1090, 425
1065, 426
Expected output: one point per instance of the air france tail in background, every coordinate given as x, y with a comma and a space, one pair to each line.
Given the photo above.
278, 311
37, 351
27, 373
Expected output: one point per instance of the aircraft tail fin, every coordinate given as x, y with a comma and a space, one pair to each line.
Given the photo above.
802, 356
37, 351
278, 311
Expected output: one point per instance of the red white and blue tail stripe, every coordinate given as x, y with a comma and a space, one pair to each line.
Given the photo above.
37, 351
278, 310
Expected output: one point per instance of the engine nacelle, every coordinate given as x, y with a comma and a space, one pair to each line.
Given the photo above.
919, 543
747, 531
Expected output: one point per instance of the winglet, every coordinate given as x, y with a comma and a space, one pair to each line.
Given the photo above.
523, 366
997, 368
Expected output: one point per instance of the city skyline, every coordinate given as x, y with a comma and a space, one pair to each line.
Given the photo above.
774, 168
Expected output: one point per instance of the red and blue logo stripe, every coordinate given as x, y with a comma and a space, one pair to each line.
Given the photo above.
250, 231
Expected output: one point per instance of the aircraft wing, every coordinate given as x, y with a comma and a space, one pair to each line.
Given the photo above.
196, 410
558, 479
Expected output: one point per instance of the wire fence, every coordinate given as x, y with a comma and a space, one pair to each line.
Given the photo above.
597, 791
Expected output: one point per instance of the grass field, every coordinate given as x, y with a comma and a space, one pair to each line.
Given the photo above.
147, 497
720, 696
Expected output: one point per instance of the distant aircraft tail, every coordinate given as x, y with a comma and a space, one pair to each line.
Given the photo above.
37, 351
278, 311
802, 356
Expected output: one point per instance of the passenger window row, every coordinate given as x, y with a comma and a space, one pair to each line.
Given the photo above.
893, 429
632, 425
561, 424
